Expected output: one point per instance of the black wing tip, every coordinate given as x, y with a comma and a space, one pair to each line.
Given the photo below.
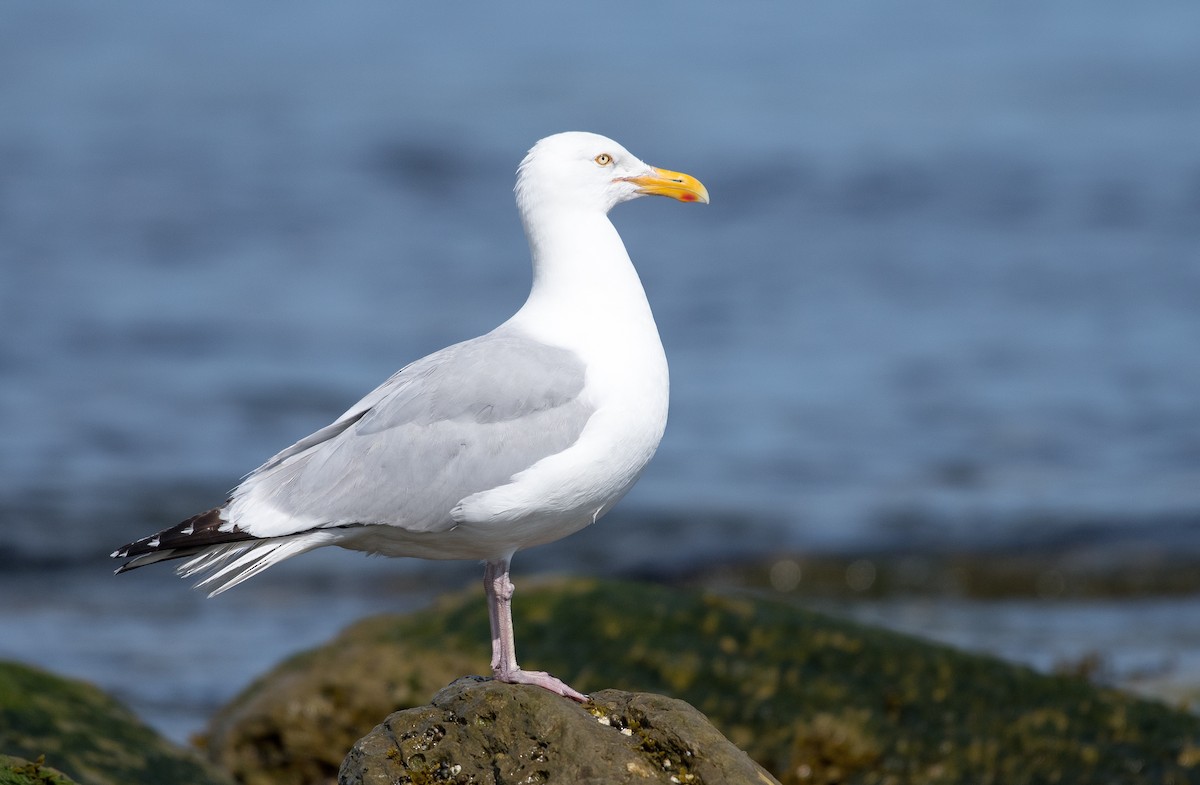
135, 548
196, 532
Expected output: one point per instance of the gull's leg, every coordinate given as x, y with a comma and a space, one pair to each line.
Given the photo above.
490, 575
504, 651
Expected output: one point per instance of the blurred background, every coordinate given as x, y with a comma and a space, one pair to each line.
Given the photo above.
941, 319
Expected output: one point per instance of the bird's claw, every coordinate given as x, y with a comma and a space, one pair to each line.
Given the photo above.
543, 680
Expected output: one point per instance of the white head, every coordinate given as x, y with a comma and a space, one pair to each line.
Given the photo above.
578, 170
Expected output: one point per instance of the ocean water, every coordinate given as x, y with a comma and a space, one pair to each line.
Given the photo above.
947, 292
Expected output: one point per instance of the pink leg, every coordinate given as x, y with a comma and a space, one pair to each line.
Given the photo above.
504, 651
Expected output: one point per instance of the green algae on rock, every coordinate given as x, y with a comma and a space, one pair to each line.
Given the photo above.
811, 698
296, 724
88, 735
484, 732
1078, 572
18, 771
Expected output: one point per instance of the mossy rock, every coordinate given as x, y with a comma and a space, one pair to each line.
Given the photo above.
812, 698
486, 733
18, 771
296, 724
88, 735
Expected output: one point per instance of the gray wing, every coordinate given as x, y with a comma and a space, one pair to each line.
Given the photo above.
460, 421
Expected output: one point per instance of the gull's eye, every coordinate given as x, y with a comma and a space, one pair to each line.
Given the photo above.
604, 159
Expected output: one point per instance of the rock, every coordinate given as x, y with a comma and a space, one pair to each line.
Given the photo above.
811, 698
86, 734
484, 732
295, 725
18, 771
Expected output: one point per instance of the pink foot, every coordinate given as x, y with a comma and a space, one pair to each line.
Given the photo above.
543, 680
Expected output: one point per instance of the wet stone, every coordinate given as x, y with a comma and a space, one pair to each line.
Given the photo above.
490, 733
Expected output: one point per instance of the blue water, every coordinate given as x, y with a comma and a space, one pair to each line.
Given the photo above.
948, 289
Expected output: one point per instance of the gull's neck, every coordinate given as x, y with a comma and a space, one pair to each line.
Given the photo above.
582, 276
587, 297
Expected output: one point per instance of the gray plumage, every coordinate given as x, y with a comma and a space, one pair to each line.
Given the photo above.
462, 420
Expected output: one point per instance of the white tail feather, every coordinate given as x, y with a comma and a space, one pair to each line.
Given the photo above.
213, 557
249, 557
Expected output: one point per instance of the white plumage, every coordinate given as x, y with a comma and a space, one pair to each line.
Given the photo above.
513, 439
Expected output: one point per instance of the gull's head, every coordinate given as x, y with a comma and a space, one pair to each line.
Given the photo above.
591, 172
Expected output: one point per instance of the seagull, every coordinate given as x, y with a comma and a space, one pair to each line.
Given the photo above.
506, 441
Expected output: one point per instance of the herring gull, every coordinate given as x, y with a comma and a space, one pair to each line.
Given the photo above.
509, 440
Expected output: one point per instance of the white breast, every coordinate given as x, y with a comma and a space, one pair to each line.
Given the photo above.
594, 305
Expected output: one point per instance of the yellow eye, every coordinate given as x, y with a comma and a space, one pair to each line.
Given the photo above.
604, 159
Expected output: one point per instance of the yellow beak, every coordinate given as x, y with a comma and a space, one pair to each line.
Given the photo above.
677, 185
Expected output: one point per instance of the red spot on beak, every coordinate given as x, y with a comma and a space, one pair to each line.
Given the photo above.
687, 198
